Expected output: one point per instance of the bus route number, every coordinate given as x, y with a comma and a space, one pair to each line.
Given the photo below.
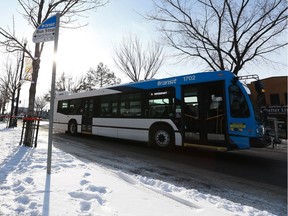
189, 78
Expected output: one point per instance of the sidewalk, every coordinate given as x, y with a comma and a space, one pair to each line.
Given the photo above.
282, 147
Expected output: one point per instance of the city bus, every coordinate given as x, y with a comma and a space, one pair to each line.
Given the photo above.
208, 109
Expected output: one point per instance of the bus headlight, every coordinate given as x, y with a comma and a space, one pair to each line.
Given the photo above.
260, 130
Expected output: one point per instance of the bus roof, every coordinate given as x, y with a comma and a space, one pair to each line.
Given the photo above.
154, 84
178, 80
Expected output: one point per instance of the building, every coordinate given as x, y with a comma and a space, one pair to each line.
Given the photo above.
275, 100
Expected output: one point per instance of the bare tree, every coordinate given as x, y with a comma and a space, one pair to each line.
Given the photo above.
2, 104
138, 63
223, 34
9, 84
4, 98
35, 12
40, 103
67, 83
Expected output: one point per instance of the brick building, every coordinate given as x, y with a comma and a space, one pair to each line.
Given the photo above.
275, 99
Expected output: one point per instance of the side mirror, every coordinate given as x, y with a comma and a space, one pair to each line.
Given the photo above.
259, 87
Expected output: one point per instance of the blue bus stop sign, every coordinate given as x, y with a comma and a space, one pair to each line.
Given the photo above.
46, 31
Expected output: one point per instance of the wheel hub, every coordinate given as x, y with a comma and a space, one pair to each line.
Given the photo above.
162, 138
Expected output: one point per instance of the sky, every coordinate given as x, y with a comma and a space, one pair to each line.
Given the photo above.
79, 187
82, 49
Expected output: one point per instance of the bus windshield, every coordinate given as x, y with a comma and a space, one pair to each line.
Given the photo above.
238, 104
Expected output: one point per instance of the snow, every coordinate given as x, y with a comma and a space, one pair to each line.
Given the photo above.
78, 187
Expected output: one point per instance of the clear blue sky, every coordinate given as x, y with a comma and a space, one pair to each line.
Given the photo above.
81, 49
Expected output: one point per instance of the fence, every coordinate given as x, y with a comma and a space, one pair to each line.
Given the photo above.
29, 132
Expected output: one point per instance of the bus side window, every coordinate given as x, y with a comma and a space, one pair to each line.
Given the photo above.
131, 105
63, 107
107, 106
215, 106
191, 109
238, 104
160, 103
105, 110
74, 107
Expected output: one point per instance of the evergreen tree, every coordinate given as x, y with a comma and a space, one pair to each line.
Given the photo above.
98, 78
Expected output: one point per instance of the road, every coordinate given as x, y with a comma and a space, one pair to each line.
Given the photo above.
249, 176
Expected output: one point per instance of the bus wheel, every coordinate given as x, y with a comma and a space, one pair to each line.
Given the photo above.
162, 137
72, 127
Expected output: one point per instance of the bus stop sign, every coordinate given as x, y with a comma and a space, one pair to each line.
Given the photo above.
46, 31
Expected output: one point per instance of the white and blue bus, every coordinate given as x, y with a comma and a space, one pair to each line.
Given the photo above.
209, 109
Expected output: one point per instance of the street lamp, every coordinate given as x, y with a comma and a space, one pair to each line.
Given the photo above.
20, 78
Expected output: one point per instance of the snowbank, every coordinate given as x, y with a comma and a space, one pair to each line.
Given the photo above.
78, 188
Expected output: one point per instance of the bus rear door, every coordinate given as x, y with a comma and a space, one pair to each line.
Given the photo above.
87, 116
204, 122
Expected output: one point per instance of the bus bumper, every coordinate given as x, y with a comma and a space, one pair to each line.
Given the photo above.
260, 142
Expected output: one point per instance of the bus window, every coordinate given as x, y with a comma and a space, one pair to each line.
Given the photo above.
191, 109
238, 104
160, 104
74, 107
191, 113
105, 110
108, 106
130, 105
63, 107
215, 107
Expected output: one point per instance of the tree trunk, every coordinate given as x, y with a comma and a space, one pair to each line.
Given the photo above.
3, 108
11, 120
32, 93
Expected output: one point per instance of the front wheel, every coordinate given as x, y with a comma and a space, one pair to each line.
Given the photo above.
162, 137
72, 127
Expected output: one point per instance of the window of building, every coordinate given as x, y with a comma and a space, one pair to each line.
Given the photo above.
274, 99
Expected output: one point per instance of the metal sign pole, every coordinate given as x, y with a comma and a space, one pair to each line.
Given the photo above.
51, 113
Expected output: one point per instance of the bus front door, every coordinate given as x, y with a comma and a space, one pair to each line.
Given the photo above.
203, 115
87, 116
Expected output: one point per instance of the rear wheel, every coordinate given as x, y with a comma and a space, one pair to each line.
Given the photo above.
161, 137
72, 127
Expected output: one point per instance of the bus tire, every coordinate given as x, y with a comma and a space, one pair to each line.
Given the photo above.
162, 137
72, 127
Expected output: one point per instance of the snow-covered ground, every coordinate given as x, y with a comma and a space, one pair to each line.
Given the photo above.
84, 188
